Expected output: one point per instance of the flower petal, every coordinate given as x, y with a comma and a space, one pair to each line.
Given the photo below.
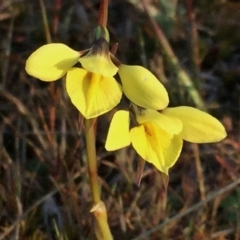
169, 124
142, 87
151, 143
118, 133
50, 62
98, 63
92, 94
198, 126
173, 150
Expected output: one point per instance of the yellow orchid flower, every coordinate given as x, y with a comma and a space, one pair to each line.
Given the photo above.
142, 87
158, 137
92, 89
149, 139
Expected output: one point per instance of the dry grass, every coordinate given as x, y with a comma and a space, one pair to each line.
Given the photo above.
44, 187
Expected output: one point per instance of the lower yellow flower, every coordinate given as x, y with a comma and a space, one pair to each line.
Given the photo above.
150, 141
156, 146
158, 137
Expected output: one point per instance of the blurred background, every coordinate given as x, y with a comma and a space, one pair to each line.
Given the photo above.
44, 191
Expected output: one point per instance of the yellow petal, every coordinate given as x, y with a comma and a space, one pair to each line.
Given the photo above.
92, 94
142, 87
50, 62
118, 133
168, 124
98, 63
198, 126
172, 151
151, 143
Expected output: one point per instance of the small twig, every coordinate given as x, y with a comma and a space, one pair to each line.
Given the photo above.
200, 180
199, 169
17, 176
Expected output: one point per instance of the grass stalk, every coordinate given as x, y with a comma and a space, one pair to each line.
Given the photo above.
193, 48
45, 22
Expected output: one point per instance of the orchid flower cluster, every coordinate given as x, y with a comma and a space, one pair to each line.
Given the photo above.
155, 131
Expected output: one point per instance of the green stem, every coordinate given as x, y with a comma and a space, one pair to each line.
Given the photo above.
102, 230
92, 161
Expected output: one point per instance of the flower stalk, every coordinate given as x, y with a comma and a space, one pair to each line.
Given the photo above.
102, 230
92, 161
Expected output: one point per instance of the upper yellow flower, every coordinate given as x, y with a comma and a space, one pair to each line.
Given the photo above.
158, 136
92, 89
